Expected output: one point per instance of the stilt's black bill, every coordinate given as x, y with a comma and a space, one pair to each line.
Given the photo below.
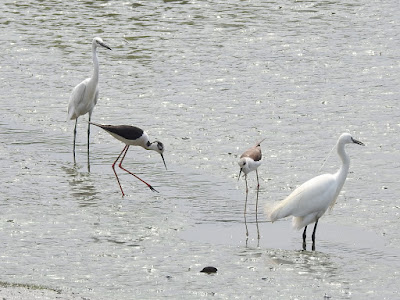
162, 156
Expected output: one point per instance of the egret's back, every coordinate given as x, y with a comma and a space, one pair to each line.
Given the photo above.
311, 199
83, 99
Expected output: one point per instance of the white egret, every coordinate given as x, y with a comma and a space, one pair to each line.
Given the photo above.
84, 96
132, 136
309, 202
249, 161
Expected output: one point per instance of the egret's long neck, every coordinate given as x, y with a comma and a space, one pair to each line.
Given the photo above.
344, 169
95, 76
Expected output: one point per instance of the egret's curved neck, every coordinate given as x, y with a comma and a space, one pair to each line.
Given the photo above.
95, 76
344, 169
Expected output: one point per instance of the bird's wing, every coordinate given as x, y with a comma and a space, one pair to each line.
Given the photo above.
96, 97
126, 132
254, 153
75, 100
312, 196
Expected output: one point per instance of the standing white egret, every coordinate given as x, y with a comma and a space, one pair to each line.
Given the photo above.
249, 161
84, 96
308, 202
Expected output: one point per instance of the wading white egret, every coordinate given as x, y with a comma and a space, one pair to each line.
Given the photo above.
84, 96
309, 202
132, 136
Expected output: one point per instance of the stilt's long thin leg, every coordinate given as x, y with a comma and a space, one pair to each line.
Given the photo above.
258, 188
304, 238
113, 167
313, 235
120, 165
245, 205
76, 122
247, 192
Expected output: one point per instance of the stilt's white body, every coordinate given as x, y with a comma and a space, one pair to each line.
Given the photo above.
142, 141
249, 165
250, 160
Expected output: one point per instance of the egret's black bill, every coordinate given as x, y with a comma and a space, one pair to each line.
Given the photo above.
358, 142
105, 46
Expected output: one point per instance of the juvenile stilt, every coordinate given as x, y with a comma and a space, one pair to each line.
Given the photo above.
249, 161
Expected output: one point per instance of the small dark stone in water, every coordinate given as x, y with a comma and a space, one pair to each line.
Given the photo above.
209, 270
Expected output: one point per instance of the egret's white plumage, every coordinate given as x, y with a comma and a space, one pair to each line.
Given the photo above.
84, 96
309, 202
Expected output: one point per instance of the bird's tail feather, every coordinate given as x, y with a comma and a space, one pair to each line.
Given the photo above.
95, 124
276, 211
298, 222
259, 143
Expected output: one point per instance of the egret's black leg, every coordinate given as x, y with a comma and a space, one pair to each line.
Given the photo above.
76, 122
88, 135
313, 235
304, 238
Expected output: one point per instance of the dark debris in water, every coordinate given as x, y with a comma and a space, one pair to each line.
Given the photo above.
209, 270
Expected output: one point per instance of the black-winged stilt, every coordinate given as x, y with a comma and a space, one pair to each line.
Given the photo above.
132, 136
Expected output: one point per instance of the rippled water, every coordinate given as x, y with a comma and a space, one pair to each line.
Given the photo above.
208, 80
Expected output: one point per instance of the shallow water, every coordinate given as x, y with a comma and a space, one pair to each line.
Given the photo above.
208, 80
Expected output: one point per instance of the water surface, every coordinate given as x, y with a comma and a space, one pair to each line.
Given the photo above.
208, 80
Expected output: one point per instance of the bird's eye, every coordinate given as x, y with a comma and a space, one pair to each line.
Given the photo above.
244, 163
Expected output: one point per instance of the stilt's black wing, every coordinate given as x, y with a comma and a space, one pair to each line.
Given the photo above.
126, 131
